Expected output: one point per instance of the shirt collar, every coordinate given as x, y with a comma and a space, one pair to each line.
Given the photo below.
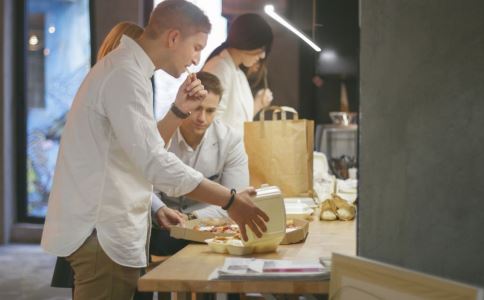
181, 139
143, 60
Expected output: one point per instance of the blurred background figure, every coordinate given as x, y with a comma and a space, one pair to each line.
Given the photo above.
249, 41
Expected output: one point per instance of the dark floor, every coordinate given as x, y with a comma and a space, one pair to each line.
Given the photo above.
25, 274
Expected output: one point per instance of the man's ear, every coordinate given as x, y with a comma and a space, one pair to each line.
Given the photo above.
173, 37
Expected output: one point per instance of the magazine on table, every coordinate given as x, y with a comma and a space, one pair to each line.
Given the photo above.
235, 268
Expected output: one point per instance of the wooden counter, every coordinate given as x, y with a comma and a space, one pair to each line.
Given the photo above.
188, 270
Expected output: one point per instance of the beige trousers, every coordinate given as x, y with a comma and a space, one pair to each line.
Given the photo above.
96, 276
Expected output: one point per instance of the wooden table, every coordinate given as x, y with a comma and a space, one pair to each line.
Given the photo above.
189, 269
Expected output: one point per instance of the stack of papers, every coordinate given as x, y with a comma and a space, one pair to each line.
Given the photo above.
251, 268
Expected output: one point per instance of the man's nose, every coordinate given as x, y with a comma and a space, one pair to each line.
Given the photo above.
202, 116
196, 59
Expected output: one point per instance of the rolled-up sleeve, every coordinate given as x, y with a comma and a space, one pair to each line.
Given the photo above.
128, 108
156, 203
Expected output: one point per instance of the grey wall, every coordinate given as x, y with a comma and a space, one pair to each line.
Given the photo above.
6, 137
422, 136
2, 97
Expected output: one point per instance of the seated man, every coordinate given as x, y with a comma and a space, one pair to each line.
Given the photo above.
212, 148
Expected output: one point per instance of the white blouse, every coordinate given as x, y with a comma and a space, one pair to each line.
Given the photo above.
237, 103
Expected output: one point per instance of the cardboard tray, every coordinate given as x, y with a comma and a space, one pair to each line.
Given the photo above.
188, 233
297, 235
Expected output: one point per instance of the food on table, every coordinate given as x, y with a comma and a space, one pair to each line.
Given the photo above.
227, 227
221, 239
337, 208
231, 228
328, 215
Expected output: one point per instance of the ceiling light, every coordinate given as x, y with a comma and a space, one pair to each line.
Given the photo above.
269, 9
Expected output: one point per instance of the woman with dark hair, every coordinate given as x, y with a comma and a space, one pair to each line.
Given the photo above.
249, 41
257, 77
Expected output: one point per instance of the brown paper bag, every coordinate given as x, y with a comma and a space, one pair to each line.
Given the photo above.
281, 152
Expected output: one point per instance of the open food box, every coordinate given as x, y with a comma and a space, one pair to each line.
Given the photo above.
223, 236
200, 230
296, 231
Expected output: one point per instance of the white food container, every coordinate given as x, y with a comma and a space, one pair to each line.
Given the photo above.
270, 200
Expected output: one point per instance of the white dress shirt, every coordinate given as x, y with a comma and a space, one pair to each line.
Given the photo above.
110, 157
237, 103
220, 157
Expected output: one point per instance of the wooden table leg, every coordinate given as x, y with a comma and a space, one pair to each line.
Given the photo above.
183, 296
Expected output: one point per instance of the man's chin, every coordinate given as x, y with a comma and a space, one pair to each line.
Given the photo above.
200, 131
174, 73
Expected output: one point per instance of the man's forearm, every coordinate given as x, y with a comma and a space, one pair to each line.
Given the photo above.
210, 192
168, 125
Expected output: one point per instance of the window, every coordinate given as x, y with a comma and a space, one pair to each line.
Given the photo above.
57, 57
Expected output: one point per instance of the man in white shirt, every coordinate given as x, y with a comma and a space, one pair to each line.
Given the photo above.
112, 154
210, 147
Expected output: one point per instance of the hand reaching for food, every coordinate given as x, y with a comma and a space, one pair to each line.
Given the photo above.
167, 217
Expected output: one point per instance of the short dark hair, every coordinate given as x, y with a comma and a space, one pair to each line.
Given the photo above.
177, 14
211, 83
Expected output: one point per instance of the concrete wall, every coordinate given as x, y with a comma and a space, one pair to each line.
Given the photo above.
2, 97
6, 136
421, 136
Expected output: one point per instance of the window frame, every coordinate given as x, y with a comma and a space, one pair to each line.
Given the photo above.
20, 106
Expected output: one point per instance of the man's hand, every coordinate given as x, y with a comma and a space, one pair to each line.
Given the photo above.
244, 212
190, 94
167, 217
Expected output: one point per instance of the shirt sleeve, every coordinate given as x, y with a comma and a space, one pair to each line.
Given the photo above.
128, 106
235, 172
156, 203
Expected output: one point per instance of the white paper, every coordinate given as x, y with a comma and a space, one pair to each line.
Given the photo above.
244, 268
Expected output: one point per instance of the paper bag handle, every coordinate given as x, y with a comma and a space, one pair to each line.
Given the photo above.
279, 109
